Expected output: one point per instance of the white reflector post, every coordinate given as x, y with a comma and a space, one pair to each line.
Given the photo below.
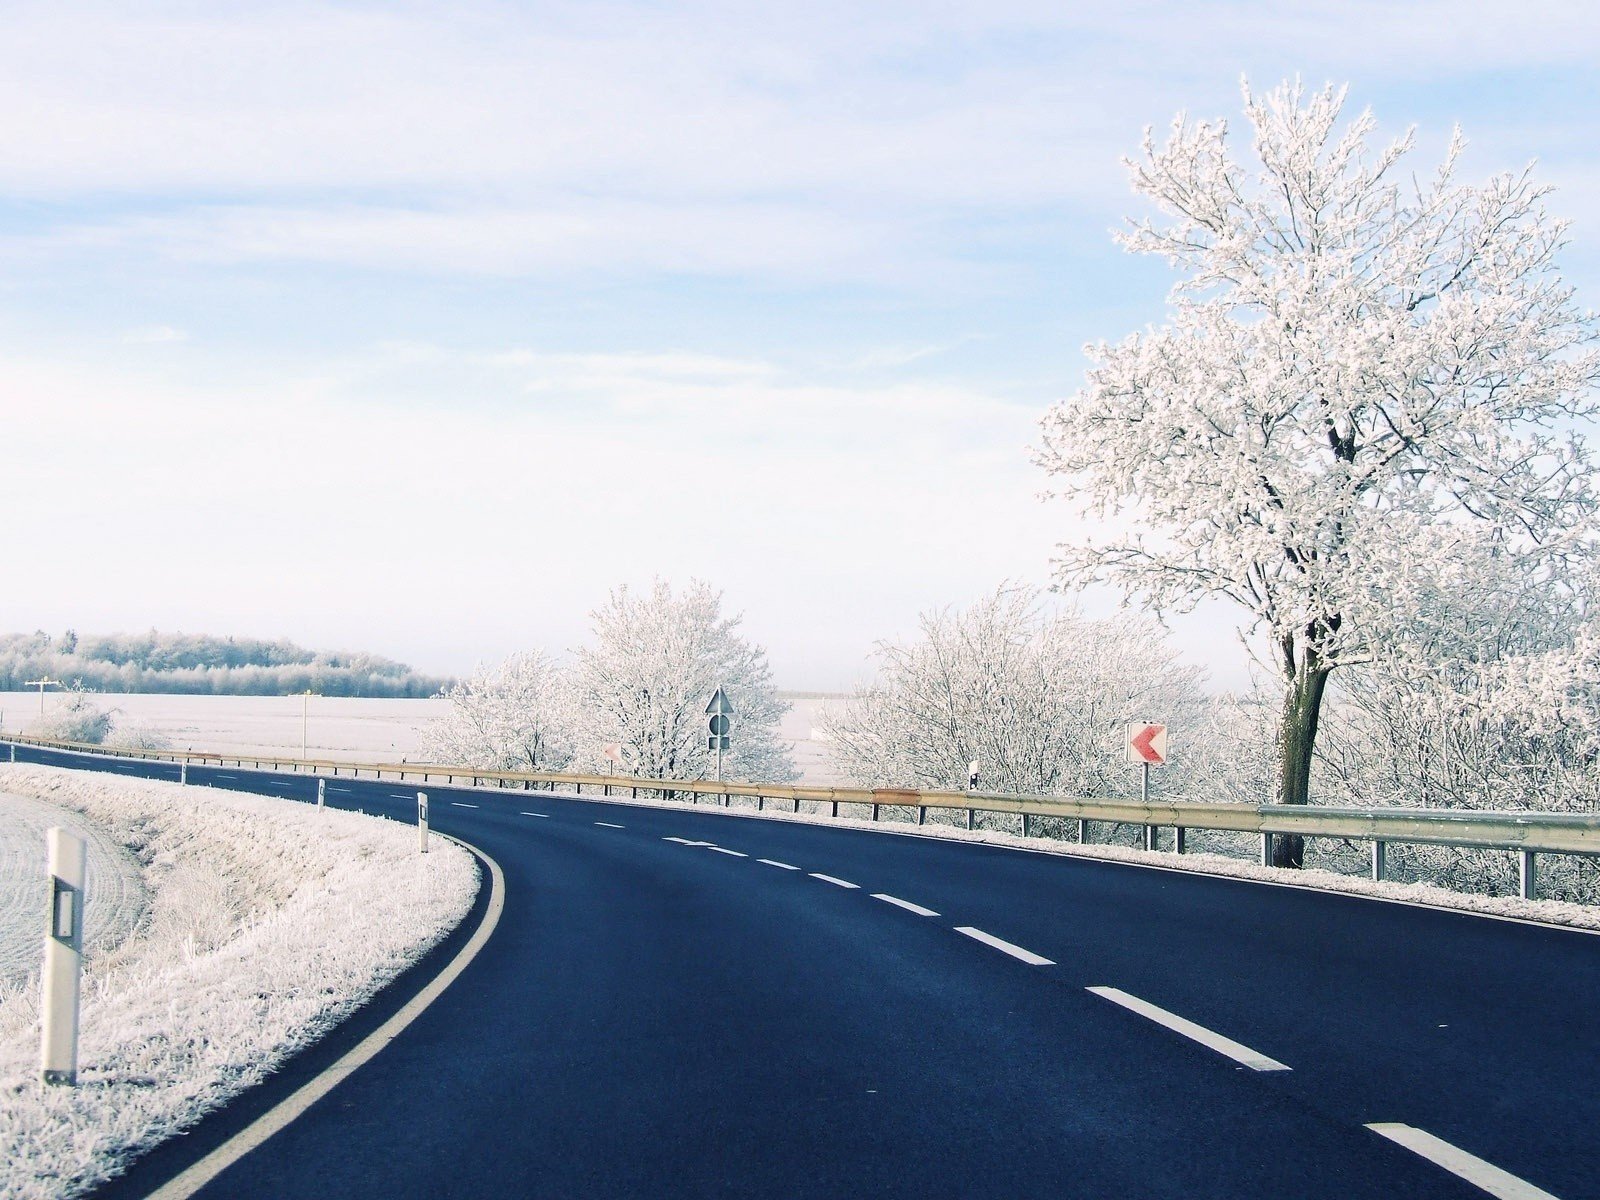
422, 822
63, 957
322, 794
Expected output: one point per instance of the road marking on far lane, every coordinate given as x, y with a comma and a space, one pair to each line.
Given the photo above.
546, 816
772, 862
609, 825
1458, 1162
905, 904
735, 853
458, 804
1227, 1047
1005, 947
844, 883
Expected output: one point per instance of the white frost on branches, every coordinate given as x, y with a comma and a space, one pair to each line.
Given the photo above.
644, 682
517, 716
1040, 701
1358, 363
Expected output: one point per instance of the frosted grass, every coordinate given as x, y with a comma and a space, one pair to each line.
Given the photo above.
266, 924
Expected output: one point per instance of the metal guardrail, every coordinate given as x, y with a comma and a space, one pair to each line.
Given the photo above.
1526, 833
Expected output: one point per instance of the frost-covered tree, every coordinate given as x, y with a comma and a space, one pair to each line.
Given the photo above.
517, 716
645, 680
1039, 700
1356, 359
75, 719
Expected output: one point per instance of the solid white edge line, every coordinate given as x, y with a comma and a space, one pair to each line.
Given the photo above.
609, 825
844, 883
772, 862
197, 1175
1458, 1162
458, 804
734, 853
1238, 1051
1005, 947
905, 904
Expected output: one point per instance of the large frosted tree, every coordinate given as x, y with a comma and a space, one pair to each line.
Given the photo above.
1356, 358
644, 680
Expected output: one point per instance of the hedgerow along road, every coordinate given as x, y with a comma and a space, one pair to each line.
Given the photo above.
682, 1003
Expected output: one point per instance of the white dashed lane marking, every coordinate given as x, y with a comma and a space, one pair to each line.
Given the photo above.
844, 883
772, 862
459, 804
734, 853
1005, 947
1240, 1053
546, 816
609, 825
905, 904
1458, 1162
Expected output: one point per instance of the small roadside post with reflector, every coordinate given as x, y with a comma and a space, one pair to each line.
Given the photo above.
1147, 746
422, 822
322, 793
719, 711
63, 957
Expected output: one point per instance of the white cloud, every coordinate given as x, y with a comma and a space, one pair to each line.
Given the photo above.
329, 507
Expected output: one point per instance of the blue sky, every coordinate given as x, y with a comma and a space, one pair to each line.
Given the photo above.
417, 327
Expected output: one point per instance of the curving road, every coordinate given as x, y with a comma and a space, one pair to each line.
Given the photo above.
680, 1003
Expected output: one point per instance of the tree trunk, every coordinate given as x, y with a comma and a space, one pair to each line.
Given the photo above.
1302, 709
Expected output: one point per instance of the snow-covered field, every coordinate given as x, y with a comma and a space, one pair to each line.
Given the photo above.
120, 899
334, 727
262, 924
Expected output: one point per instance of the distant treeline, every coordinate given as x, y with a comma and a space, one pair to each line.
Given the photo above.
195, 664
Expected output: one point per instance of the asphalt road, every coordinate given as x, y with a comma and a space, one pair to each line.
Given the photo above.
662, 1013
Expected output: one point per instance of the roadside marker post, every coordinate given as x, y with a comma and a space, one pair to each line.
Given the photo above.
183, 772
422, 822
1147, 746
322, 793
63, 957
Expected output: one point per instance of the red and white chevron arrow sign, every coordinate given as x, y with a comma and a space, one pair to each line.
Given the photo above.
1147, 743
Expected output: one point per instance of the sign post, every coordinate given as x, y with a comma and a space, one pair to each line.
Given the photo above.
63, 957
719, 710
1147, 746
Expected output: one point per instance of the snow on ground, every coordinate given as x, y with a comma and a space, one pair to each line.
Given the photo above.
265, 924
335, 727
120, 899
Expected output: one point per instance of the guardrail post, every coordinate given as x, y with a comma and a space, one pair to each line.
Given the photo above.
63, 958
969, 818
1150, 837
1027, 825
322, 790
1083, 831
922, 814
836, 808
422, 822
1527, 875
1380, 855
1266, 849
761, 804
1177, 838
